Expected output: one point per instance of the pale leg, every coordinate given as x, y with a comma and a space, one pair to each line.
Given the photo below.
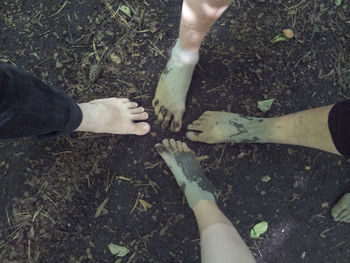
197, 17
306, 128
220, 241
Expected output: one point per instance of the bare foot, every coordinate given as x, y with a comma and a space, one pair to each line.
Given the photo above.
169, 100
220, 127
113, 115
341, 211
188, 173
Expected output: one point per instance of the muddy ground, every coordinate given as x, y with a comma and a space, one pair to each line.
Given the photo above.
51, 190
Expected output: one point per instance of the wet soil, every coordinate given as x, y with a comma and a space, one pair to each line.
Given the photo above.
65, 199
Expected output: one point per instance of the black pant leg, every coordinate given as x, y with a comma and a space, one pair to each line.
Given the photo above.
29, 107
339, 126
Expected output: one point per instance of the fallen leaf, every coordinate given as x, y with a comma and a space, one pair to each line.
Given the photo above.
118, 250
288, 33
101, 207
279, 38
338, 2
145, 205
126, 10
265, 105
115, 58
259, 229
265, 178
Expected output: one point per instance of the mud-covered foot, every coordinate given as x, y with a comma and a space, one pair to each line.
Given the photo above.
169, 100
341, 211
188, 173
113, 115
220, 127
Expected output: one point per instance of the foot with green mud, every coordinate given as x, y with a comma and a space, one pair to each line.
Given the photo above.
341, 211
188, 173
220, 127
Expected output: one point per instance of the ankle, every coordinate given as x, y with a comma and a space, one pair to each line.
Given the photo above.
277, 131
183, 55
90, 113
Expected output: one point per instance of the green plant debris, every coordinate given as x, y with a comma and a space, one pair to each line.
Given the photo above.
125, 9
118, 250
258, 229
265, 105
279, 38
338, 2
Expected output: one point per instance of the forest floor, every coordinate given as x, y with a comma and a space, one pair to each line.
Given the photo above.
65, 199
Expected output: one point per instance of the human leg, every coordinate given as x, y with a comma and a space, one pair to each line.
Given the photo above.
308, 128
29, 107
197, 17
220, 241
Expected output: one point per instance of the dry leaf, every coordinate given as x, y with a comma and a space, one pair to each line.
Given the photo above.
145, 205
101, 207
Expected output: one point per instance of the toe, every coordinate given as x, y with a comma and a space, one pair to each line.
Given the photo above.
194, 136
166, 121
166, 144
335, 212
157, 110
176, 124
155, 102
179, 146
340, 216
131, 105
162, 113
185, 147
139, 117
197, 122
206, 114
141, 128
347, 218
124, 100
193, 127
173, 145
160, 148
137, 110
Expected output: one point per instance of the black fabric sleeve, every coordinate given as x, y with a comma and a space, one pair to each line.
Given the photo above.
29, 107
339, 127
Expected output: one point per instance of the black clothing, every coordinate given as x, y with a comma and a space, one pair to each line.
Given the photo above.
339, 126
29, 107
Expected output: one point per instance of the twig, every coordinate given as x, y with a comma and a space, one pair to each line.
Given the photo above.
59, 10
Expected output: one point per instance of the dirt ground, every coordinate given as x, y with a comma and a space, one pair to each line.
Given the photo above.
65, 199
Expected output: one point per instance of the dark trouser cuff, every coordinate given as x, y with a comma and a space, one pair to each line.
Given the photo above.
29, 107
339, 127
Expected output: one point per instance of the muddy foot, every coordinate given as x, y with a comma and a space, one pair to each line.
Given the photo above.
169, 100
219, 127
113, 115
188, 173
341, 211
